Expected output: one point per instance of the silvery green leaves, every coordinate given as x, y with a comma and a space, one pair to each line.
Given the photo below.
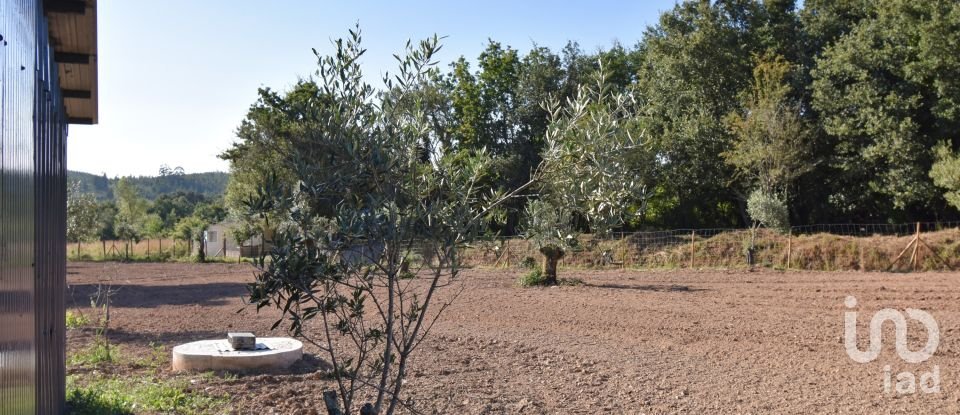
769, 210
595, 164
83, 215
374, 222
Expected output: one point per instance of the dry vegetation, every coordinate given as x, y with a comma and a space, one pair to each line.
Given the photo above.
816, 252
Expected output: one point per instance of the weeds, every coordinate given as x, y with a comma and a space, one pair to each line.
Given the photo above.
76, 320
96, 354
156, 360
528, 262
532, 279
535, 278
128, 395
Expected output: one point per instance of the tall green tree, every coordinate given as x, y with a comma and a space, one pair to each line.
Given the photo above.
887, 92
131, 211
770, 148
695, 63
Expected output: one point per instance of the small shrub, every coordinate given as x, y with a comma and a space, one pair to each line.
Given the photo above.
98, 353
76, 320
533, 278
82, 401
528, 262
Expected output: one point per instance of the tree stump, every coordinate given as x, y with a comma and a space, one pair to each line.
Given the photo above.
551, 256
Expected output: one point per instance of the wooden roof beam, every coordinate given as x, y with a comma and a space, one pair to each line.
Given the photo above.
80, 120
68, 57
76, 93
65, 6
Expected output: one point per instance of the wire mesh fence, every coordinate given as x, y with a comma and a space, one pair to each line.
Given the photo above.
868, 247
120, 249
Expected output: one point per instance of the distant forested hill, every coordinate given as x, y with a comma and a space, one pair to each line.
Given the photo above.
212, 184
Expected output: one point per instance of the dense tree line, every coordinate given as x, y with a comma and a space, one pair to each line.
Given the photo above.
170, 180
131, 217
839, 111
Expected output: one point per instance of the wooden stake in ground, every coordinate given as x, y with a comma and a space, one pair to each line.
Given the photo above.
904, 251
693, 247
914, 257
789, 248
916, 243
332, 403
507, 253
863, 266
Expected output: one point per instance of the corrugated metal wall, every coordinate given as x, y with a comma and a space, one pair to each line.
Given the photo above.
17, 344
50, 181
32, 211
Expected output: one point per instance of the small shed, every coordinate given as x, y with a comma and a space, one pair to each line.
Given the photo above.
219, 241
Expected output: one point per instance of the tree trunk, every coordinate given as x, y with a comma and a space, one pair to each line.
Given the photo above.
551, 255
201, 255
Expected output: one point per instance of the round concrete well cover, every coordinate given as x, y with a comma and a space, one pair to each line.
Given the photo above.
271, 353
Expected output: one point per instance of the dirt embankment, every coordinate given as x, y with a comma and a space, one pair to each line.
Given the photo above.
940, 251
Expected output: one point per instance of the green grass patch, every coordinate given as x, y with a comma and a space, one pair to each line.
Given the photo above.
128, 395
101, 351
156, 360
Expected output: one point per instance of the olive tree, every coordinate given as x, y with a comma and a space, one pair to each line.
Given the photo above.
375, 225
595, 170
83, 215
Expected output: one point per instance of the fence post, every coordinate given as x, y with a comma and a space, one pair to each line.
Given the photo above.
789, 247
104, 243
160, 242
915, 257
148, 246
863, 262
224, 246
508, 252
693, 247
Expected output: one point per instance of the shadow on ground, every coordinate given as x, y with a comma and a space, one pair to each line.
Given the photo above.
647, 287
148, 296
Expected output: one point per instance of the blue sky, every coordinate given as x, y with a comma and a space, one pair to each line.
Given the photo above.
176, 77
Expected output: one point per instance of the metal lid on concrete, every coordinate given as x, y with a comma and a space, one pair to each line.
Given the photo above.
270, 353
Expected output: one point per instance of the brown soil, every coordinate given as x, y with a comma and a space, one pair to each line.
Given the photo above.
624, 342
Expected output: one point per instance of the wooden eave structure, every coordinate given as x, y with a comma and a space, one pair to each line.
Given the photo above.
73, 36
